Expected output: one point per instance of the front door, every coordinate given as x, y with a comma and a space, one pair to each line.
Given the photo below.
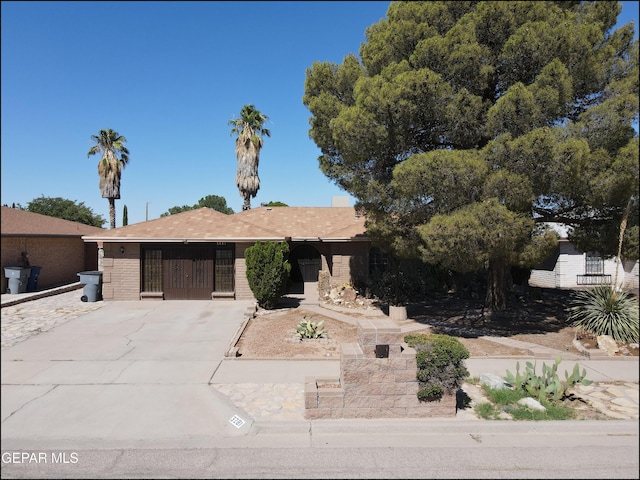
188, 273
306, 263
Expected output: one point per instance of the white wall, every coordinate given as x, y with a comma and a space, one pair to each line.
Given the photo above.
571, 263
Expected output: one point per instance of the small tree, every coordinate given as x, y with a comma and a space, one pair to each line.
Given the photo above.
215, 202
58, 207
268, 270
125, 216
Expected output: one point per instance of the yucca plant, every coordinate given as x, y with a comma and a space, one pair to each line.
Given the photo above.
605, 311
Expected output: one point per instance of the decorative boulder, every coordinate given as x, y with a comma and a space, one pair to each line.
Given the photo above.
494, 382
531, 404
607, 344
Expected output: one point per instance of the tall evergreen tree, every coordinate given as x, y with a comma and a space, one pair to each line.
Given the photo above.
467, 125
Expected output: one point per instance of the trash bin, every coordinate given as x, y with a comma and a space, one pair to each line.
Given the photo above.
32, 283
92, 281
18, 277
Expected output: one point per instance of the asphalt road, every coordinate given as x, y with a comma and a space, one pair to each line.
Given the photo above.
376, 449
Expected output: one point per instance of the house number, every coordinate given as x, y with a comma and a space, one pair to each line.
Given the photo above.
236, 421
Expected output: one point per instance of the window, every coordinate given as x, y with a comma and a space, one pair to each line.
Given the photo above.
594, 264
152, 271
377, 262
224, 270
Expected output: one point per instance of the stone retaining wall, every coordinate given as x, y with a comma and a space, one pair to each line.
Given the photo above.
370, 385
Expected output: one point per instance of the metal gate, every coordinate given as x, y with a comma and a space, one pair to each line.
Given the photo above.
306, 263
188, 272
309, 268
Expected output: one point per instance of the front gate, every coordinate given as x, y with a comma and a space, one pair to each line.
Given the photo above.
306, 263
188, 273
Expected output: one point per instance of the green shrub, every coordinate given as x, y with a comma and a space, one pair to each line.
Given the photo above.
308, 329
440, 362
429, 394
548, 386
603, 311
268, 270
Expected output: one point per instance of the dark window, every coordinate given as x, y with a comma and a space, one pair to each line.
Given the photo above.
152, 271
594, 264
378, 262
224, 271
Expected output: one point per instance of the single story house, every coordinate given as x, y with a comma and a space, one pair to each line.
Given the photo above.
200, 254
54, 244
569, 268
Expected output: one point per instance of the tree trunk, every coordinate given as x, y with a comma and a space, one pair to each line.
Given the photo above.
395, 270
112, 212
247, 202
498, 277
623, 227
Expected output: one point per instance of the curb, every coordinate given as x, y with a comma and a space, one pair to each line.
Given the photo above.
42, 294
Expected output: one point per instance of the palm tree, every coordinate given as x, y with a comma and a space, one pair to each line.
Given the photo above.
249, 128
114, 158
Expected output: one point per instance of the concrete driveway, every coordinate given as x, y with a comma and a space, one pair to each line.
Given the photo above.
128, 374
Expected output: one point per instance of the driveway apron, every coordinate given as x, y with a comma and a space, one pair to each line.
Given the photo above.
127, 375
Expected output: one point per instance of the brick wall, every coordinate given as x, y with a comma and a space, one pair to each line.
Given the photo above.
349, 262
121, 272
372, 387
243, 292
61, 258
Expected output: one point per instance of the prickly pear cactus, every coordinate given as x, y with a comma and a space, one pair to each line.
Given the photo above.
547, 386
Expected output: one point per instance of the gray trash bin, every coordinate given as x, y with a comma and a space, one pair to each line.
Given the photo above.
18, 278
92, 281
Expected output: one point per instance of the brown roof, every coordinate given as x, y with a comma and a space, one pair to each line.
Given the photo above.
263, 223
16, 222
308, 222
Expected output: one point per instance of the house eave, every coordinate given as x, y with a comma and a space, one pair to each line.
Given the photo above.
42, 235
180, 240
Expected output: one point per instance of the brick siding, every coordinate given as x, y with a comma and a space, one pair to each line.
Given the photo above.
61, 258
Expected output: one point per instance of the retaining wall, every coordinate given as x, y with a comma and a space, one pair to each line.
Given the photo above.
371, 384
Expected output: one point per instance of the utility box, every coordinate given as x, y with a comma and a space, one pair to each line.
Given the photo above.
92, 281
18, 278
382, 351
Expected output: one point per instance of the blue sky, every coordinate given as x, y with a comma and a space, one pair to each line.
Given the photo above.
168, 76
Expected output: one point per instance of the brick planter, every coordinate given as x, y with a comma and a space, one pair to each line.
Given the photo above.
370, 386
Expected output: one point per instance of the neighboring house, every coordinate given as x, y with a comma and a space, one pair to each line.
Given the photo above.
570, 268
200, 254
51, 243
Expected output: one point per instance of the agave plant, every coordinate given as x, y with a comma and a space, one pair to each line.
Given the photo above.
605, 311
308, 329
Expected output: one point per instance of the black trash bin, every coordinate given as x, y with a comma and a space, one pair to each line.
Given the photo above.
18, 277
92, 281
32, 283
